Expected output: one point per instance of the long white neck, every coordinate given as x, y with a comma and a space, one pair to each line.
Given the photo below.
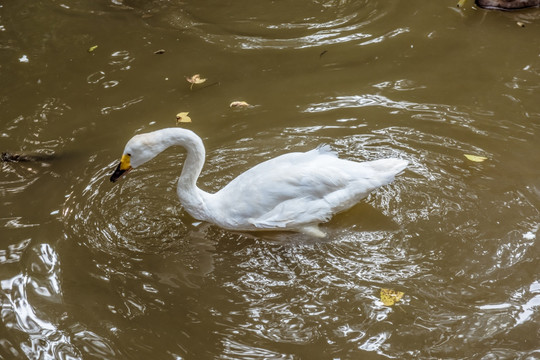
191, 197
195, 156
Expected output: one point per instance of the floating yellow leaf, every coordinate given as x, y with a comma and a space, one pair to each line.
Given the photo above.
92, 48
475, 158
461, 3
520, 24
183, 118
239, 104
390, 297
195, 79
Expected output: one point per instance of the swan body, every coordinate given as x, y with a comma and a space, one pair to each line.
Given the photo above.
294, 191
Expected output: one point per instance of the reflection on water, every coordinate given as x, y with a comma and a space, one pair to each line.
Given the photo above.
92, 270
45, 340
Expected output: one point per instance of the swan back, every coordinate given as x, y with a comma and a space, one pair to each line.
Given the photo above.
295, 190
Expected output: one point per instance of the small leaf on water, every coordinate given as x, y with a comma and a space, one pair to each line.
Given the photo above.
520, 24
390, 297
195, 79
475, 158
159, 52
461, 3
183, 118
239, 104
92, 48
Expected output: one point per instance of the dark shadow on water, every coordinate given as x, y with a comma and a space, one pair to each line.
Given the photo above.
364, 217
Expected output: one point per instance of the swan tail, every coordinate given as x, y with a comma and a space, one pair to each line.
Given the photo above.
390, 166
383, 172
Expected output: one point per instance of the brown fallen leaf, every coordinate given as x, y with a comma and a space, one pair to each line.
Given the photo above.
183, 118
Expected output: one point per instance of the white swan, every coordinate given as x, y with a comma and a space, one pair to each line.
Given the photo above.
294, 191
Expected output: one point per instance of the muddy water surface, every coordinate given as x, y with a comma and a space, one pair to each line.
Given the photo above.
91, 270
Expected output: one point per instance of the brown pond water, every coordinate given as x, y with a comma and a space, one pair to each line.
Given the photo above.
92, 270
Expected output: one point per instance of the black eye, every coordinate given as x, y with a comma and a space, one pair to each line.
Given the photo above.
129, 155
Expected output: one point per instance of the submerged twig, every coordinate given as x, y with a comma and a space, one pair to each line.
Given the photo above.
15, 157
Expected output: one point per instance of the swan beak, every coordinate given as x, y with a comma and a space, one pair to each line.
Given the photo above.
123, 168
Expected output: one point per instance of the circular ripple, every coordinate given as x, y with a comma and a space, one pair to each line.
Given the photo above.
140, 214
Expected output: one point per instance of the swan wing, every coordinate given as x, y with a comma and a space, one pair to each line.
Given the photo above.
293, 213
296, 189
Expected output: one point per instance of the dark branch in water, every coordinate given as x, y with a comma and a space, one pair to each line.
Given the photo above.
14, 157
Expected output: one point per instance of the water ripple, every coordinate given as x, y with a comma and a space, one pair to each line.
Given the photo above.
42, 336
129, 219
243, 26
304, 286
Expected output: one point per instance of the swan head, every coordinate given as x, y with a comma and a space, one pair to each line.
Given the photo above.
139, 149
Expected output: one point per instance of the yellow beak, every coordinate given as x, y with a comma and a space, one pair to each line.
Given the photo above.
123, 168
